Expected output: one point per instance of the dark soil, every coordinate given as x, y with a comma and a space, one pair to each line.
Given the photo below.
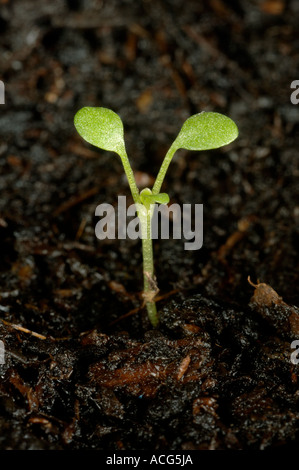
217, 373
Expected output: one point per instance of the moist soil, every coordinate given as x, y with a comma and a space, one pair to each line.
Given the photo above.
83, 367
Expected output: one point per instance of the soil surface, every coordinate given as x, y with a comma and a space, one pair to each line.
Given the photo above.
83, 367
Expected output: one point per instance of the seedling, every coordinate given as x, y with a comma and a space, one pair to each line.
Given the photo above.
103, 128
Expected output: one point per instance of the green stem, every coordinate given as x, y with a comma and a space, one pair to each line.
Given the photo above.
163, 169
150, 287
145, 217
130, 176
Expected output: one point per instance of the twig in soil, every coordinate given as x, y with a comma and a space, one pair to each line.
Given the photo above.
183, 367
135, 310
24, 330
73, 201
126, 315
244, 225
81, 229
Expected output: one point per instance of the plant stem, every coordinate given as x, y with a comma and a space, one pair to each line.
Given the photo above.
164, 167
150, 286
145, 217
130, 176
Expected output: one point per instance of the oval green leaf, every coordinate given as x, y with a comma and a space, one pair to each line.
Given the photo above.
101, 127
205, 131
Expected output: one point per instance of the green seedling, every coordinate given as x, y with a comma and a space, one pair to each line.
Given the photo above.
103, 128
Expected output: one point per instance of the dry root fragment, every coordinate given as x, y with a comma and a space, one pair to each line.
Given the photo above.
243, 227
150, 295
264, 295
183, 367
24, 330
